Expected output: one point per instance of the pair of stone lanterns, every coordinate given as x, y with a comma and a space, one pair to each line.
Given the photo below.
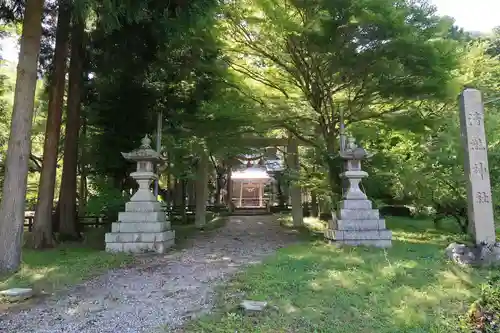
143, 226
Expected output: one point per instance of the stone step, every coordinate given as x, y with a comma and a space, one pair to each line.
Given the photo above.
359, 225
128, 217
358, 214
381, 243
250, 211
145, 237
358, 235
135, 227
146, 206
142, 247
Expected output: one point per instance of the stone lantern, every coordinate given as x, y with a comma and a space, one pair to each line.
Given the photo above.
143, 226
355, 222
352, 156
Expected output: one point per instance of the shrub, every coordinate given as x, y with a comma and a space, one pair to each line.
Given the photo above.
484, 314
105, 199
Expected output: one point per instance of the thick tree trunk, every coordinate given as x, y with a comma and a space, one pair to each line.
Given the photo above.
201, 190
43, 215
68, 229
16, 163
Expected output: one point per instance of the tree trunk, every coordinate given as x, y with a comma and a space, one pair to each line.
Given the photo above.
219, 186
229, 189
314, 204
183, 203
282, 198
201, 190
68, 229
82, 202
191, 192
169, 198
16, 163
42, 230
295, 189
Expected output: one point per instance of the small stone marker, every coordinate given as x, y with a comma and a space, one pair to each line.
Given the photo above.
253, 306
16, 294
480, 208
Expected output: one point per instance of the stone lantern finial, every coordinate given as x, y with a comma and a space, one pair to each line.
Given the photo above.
145, 142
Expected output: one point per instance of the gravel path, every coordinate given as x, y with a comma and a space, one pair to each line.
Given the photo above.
164, 291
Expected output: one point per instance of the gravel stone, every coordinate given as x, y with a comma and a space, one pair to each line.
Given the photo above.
160, 293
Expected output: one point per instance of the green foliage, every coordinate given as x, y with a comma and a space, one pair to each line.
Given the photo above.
105, 199
484, 314
365, 59
171, 66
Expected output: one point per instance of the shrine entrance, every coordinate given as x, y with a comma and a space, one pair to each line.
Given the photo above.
252, 186
248, 186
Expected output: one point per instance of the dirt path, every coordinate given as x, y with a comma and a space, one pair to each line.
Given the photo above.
164, 292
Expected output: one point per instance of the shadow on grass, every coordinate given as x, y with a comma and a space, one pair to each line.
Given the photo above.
320, 288
49, 270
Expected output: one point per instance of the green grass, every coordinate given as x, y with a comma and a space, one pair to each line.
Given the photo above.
314, 287
49, 270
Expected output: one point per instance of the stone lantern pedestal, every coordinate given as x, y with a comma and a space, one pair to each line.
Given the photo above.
355, 221
143, 226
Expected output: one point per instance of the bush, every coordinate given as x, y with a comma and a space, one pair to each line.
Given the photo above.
105, 199
484, 314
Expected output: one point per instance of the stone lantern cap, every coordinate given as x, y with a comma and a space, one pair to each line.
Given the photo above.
144, 153
353, 152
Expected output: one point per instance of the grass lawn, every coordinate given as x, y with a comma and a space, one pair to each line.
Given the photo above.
49, 270
314, 287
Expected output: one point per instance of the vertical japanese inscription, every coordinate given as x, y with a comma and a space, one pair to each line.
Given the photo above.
477, 143
480, 209
475, 118
479, 169
482, 197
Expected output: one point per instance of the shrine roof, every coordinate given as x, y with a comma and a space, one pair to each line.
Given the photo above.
250, 173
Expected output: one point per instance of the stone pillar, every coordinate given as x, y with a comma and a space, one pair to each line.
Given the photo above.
295, 190
201, 189
480, 208
143, 227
